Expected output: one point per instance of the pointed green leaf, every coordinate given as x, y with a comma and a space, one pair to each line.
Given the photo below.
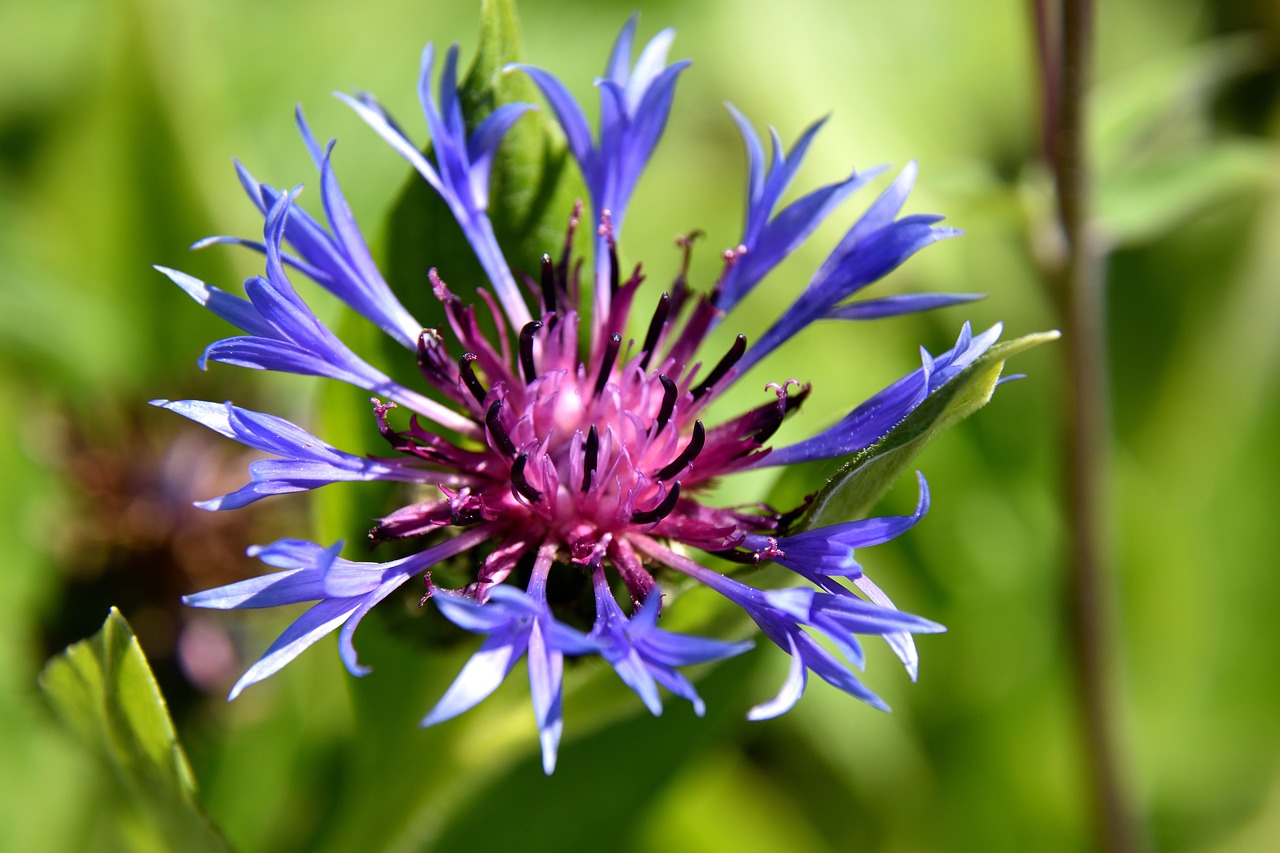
856, 487
104, 691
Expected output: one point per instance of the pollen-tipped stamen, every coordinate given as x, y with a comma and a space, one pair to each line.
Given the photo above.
690, 452
469, 376
788, 403
433, 364
562, 268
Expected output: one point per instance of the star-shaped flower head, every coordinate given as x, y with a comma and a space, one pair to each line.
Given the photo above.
572, 460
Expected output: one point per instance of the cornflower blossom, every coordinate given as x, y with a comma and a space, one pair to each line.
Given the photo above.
559, 447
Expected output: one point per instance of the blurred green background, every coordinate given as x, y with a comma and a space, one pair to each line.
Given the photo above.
117, 123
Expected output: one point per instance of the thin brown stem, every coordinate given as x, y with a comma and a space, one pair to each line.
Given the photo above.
1049, 54
1079, 291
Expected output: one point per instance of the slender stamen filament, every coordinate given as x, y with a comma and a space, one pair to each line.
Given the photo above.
661, 511
680, 287
520, 483
469, 376
726, 364
526, 349
690, 452
733, 555
380, 410
501, 440
562, 268
606, 365
606, 231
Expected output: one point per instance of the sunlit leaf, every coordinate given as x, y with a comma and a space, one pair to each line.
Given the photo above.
856, 487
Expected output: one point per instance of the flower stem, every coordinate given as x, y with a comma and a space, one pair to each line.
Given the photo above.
1065, 47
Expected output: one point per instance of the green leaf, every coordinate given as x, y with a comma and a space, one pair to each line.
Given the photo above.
856, 487
532, 190
104, 691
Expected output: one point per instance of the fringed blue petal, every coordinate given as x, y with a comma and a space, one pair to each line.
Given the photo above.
516, 622
893, 306
875, 246
873, 419
460, 174
305, 461
635, 102
309, 627
482, 674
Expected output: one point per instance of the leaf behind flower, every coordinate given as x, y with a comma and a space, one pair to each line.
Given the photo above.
854, 489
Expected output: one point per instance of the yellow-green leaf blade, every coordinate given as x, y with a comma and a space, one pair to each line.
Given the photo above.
103, 689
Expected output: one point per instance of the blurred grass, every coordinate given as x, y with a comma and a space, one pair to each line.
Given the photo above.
117, 121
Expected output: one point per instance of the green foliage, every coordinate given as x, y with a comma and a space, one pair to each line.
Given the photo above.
861, 481
104, 691
1159, 159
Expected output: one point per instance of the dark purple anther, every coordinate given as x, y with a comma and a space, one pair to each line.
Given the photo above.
590, 454
726, 364
497, 431
518, 481
773, 417
661, 511
526, 346
668, 402
606, 364
469, 376
655, 329
690, 452
549, 301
